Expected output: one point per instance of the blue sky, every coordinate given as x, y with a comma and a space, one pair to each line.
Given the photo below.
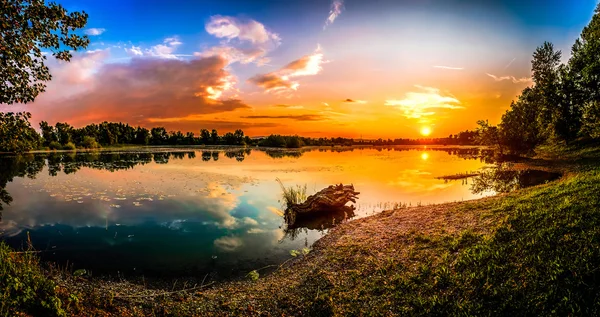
403, 64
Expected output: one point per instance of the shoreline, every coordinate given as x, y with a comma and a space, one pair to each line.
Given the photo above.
389, 263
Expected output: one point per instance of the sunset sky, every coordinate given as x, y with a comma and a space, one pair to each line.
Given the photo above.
377, 68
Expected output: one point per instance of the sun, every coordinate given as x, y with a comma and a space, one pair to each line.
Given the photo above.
425, 131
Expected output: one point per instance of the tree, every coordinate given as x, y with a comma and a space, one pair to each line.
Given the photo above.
518, 128
142, 136
27, 28
159, 136
204, 136
48, 133
214, 136
545, 66
239, 136
16, 133
591, 120
64, 131
488, 135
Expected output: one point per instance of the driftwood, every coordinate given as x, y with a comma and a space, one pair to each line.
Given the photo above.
328, 199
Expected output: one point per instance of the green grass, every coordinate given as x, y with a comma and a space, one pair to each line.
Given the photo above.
542, 259
292, 195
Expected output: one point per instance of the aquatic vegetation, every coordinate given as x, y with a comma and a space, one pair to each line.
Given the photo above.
292, 195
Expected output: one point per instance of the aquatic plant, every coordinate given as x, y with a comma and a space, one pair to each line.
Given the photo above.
292, 195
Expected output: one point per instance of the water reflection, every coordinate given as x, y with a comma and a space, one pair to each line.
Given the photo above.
504, 178
161, 209
320, 222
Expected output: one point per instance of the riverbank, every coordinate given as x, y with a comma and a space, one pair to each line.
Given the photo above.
533, 251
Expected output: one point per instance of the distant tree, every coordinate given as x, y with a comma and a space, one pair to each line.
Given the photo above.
16, 133
64, 131
27, 28
214, 136
190, 138
229, 138
159, 136
48, 133
239, 136
142, 136
205, 136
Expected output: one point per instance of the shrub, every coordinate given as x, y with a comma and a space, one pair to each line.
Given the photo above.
89, 143
69, 146
25, 289
54, 145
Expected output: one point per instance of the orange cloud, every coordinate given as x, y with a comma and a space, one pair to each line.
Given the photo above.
416, 105
136, 92
280, 81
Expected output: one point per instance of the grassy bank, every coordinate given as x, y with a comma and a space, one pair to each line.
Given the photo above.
531, 252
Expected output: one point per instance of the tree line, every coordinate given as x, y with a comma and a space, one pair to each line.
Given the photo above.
17, 136
562, 105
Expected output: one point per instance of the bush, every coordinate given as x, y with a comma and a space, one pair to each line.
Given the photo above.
89, 143
55, 146
25, 289
69, 147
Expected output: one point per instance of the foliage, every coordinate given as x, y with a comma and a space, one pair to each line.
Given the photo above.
591, 120
24, 287
28, 27
69, 146
16, 133
89, 143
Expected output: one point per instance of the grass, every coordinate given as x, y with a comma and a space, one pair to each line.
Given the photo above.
535, 251
292, 195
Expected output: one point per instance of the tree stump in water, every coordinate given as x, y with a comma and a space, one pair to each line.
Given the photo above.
330, 199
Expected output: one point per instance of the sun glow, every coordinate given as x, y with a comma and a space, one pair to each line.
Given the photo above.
425, 131
424, 156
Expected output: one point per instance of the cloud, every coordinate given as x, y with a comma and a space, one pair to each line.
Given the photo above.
511, 78
448, 67
248, 41
229, 243
334, 12
94, 31
244, 30
234, 54
355, 101
288, 106
280, 80
420, 104
164, 50
303, 117
249, 221
89, 90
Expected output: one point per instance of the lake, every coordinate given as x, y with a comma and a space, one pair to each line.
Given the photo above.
173, 211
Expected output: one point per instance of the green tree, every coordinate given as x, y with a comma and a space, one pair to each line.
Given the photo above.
48, 133
28, 27
591, 120
488, 135
545, 69
16, 133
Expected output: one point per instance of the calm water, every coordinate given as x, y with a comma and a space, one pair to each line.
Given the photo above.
199, 211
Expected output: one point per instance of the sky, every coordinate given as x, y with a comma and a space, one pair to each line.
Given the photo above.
319, 68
